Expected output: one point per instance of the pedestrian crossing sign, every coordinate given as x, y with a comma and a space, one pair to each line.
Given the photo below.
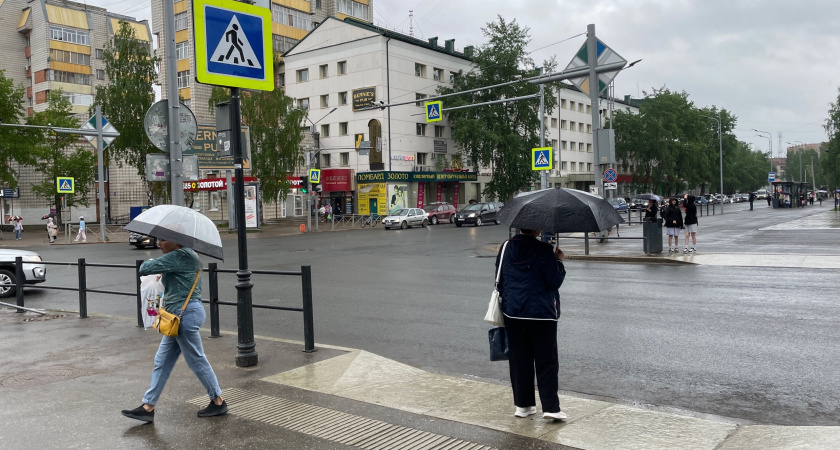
541, 158
315, 175
233, 44
65, 185
434, 111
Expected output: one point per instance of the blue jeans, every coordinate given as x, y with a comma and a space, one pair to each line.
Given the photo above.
188, 341
17, 234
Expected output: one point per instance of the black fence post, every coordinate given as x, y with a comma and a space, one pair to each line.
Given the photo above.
19, 281
586, 243
213, 277
140, 299
82, 289
308, 325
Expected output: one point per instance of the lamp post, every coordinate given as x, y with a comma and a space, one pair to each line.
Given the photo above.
720, 140
317, 141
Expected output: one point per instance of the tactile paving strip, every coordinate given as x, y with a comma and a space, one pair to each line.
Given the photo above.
335, 425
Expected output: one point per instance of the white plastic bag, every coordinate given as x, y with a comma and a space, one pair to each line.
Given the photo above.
494, 315
151, 293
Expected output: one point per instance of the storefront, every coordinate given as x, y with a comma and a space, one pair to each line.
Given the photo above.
381, 192
337, 190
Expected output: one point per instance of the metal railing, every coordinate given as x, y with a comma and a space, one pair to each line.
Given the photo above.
213, 278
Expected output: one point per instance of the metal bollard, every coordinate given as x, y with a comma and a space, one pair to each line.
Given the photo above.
19, 282
137, 264
82, 289
213, 276
308, 325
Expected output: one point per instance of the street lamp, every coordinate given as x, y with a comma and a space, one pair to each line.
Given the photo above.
720, 140
317, 141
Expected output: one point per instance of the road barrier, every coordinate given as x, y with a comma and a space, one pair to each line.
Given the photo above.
213, 272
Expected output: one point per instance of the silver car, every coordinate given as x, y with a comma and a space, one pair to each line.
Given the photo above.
405, 218
33, 272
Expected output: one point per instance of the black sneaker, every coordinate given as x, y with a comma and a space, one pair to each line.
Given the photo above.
214, 410
140, 414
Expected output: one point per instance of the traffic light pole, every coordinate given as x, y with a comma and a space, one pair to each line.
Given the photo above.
308, 196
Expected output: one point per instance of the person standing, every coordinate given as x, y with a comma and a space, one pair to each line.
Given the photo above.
673, 222
752, 199
769, 198
18, 226
81, 234
52, 229
531, 273
690, 222
180, 271
650, 211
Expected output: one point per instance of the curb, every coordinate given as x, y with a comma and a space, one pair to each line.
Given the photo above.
628, 259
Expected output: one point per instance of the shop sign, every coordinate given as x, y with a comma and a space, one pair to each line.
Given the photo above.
364, 97
206, 149
212, 184
387, 177
335, 180
402, 157
440, 146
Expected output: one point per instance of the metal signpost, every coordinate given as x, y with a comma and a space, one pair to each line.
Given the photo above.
233, 49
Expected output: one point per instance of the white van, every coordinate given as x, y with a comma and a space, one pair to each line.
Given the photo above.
761, 194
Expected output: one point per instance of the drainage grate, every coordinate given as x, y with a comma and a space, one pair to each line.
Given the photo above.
335, 425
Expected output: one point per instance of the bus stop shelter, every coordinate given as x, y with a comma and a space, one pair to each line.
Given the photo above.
790, 190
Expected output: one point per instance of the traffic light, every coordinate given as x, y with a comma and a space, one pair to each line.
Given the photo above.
304, 184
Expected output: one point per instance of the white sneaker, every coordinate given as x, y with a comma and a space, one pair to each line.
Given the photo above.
525, 412
692, 250
686, 250
559, 415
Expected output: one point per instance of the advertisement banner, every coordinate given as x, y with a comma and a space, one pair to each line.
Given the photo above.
372, 198
251, 207
421, 191
397, 196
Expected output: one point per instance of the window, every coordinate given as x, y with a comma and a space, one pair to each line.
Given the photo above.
291, 17
342, 67
437, 74
563, 125
352, 8
342, 128
589, 167
181, 21
100, 74
78, 99
563, 145
342, 98
589, 128
182, 50
580, 127
572, 126
563, 103
420, 70
589, 148
420, 97
572, 106
68, 77
69, 57
69, 35
99, 53
439, 131
303, 103
324, 70
325, 130
281, 78
326, 162
317, 4
302, 75
421, 159
421, 129
553, 122
580, 146
184, 79
563, 165
345, 158
325, 101
588, 109
554, 144
452, 77
573, 166
580, 107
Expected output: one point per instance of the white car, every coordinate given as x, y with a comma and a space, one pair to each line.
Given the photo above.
33, 272
405, 218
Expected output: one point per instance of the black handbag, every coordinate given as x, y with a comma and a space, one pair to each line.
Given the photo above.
498, 344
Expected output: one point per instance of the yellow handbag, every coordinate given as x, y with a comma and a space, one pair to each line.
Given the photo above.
166, 322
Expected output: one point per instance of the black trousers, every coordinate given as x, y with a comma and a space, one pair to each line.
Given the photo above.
533, 349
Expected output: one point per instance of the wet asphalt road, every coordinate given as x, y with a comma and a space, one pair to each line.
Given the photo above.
751, 343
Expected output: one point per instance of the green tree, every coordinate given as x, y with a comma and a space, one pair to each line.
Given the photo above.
832, 147
61, 155
14, 142
130, 71
501, 135
275, 136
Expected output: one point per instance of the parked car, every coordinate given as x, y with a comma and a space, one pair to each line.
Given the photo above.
619, 204
477, 214
142, 241
405, 218
639, 203
33, 271
440, 211
701, 200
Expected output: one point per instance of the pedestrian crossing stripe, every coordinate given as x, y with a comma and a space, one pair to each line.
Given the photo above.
65, 185
433, 111
541, 158
234, 48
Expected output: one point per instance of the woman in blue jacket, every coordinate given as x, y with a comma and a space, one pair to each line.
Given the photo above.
532, 272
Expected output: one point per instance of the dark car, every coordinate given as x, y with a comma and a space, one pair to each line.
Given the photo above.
477, 214
619, 204
440, 211
700, 200
639, 203
141, 240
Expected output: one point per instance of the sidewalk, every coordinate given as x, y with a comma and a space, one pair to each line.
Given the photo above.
65, 380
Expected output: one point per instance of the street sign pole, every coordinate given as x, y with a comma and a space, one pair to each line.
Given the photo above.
592, 57
100, 167
176, 187
543, 174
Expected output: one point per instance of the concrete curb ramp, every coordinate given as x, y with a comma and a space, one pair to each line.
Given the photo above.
592, 424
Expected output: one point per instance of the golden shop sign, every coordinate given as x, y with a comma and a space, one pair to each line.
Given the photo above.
364, 97
385, 177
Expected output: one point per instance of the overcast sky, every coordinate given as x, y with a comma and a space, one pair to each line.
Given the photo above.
774, 64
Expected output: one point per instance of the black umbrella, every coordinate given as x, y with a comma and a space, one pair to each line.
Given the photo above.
559, 210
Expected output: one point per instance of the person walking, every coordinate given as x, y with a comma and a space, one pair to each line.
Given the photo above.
18, 226
180, 271
531, 273
769, 198
673, 222
52, 229
752, 199
690, 222
81, 234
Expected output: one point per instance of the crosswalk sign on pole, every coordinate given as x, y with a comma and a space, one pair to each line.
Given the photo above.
233, 44
434, 111
541, 158
65, 185
315, 176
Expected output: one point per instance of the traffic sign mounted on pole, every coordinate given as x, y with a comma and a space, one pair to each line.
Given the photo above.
65, 185
233, 44
610, 175
434, 111
541, 158
314, 176
771, 177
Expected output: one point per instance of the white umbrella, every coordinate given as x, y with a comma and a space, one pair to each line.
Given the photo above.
180, 225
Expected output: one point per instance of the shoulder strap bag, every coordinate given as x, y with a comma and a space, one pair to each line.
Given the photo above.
166, 322
494, 309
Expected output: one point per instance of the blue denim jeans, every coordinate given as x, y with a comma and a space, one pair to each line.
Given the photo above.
188, 341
